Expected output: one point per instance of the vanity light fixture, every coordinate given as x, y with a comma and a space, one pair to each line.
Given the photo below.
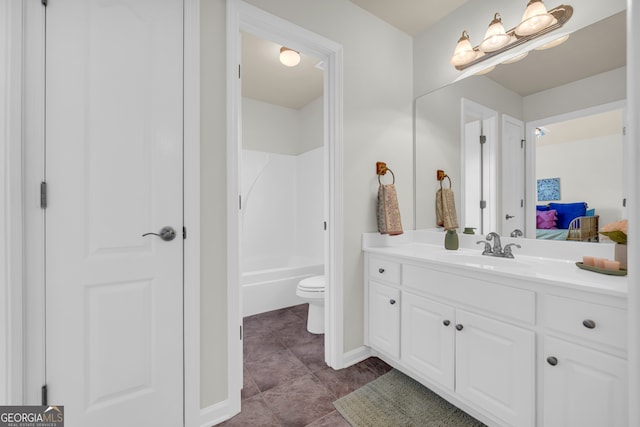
536, 22
289, 57
464, 53
554, 43
535, 18
515, 58
495, 38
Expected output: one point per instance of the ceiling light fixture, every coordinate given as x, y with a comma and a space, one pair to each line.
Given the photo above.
535, 23
289, 57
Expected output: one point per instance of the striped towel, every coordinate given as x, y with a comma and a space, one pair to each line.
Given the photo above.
388, 212
446, 209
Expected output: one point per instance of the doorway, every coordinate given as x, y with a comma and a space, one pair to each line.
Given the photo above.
244, 17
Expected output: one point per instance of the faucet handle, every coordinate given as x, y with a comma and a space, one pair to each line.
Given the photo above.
487, 247
508, 251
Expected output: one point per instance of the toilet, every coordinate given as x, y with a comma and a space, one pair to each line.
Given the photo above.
311, 290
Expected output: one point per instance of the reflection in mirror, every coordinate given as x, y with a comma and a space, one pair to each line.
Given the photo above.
539, 87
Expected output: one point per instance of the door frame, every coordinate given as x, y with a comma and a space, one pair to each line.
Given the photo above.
29, 41
244, 17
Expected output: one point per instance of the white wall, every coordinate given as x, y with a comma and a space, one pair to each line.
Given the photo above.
310, 204
589, 170
270, 128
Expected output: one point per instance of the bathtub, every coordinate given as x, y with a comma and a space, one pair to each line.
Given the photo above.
269, 283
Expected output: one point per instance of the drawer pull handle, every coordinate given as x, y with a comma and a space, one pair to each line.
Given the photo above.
381, 270
392, 301
459, 326
590, 324
446, 322
553, 361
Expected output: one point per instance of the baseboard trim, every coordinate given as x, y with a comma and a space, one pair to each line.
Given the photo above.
354, 356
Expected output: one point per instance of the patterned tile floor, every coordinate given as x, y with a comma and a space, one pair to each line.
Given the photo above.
286, 382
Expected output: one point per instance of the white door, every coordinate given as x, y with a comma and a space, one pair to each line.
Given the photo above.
513, 170
384, 319
495, 367
114, 172
428, 338
583, 387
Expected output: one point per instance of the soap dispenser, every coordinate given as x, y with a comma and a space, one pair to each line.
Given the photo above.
451, 240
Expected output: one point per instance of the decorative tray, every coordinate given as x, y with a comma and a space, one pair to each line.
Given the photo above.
621, 272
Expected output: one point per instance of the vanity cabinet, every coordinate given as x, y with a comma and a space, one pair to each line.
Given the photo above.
487, 362
384, 318
583, 387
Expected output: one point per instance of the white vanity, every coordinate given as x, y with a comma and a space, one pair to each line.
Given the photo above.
529, 341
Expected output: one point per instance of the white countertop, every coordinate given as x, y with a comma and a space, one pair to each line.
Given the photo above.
422, 247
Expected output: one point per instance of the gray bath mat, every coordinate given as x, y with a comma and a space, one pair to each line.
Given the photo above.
397, 400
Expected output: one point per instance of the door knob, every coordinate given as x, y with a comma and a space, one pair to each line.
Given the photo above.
167, 234
392, 301
588, 323
507, 216
459, 327
446, 322
553, 361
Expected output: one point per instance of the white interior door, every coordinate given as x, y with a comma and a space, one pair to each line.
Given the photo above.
114, 308
513, 170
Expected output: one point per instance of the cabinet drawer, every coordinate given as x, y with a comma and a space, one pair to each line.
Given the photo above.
501, 300
384, 270
595, 322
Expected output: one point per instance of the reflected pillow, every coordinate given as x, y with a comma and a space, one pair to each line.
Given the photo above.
542, 208
567, 212
546, 220
590, 212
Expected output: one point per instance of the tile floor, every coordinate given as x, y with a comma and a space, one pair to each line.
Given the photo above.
286, 382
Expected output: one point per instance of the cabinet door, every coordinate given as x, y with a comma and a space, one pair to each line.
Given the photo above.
583, 387
495, 367
428, 338
384, 319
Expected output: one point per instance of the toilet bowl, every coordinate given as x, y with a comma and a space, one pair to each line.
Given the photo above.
311, 290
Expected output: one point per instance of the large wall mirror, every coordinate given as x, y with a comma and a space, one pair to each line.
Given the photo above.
557, 112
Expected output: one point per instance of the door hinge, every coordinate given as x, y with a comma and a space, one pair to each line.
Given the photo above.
44, 395
239, 71
43, 195
483, 139
240, 332
624, 202
522, 142
184, 233
325, 226
483, 204
521, 203
240, 201
44, 2
624, 130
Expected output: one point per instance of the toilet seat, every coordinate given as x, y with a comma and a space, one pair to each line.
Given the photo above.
312, 284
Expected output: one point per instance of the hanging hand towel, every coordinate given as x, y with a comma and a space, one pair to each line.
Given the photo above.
446, 209
388, 212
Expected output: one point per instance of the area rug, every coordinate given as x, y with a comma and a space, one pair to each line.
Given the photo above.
397, 400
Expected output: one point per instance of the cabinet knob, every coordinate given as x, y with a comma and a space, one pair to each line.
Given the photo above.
446, 322
588, 323
459, 326
552, 361
392, 301
381, 270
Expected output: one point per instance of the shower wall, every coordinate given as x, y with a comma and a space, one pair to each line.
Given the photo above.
283, 200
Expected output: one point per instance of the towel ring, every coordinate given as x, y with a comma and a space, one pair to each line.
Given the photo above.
446, 176
392, 175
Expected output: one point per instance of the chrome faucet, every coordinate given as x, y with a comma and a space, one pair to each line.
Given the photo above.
497, 245
497, 250
516, 233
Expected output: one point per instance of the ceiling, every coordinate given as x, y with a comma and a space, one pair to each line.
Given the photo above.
592, 50
583, 128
